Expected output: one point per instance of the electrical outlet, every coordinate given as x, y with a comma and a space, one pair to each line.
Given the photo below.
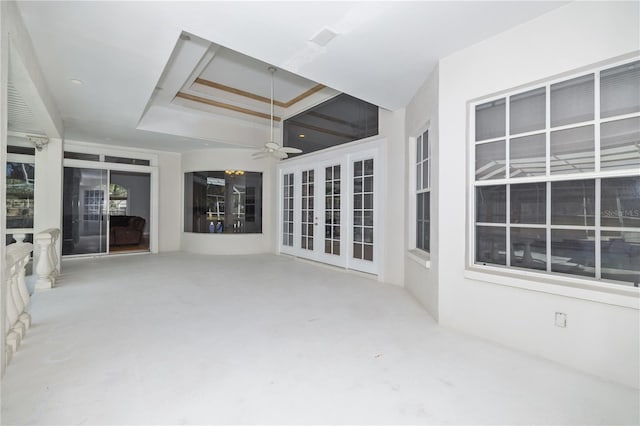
561, 320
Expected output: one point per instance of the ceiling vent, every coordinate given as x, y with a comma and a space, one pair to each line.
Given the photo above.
323, 37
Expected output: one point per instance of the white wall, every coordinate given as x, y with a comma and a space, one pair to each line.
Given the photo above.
419, 280
236, 159
47, 212
391, 126
169, 202
601, 338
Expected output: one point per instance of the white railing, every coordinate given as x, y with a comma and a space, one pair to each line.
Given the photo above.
17, 319
46, 269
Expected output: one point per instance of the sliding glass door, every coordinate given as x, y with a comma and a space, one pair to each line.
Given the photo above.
105, 211
84, 202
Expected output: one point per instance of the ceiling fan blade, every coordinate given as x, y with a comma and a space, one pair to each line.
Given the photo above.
261, 154
271, 145
291, 150
280, 154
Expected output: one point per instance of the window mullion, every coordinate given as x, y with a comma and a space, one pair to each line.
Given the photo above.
547, 130
507, 248
548, 223
596, 115
597, 243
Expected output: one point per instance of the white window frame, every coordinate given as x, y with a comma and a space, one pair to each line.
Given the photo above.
423, 257
573, 286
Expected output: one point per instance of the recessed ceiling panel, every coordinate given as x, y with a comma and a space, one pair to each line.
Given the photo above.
239, 71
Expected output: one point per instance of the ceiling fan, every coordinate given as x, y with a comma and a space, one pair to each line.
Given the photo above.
271, 147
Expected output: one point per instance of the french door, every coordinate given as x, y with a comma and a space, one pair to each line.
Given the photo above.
328, 208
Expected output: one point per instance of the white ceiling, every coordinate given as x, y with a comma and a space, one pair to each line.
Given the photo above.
382, 54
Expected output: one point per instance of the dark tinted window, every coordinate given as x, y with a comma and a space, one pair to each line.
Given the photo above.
339, 120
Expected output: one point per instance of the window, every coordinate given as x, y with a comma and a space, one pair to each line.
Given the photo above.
339, 120
20, 189
557, 177
423, 185
228, 201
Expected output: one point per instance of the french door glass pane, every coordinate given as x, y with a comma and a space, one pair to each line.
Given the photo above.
619, 144
490, 120
572, 101
363, 209
573, 202
287, 210
307, 211
572, 150
332, 210
84, 224
573, 251
527, 111
620, 90
527, 156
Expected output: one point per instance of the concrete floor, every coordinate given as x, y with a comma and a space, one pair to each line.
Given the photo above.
189, 339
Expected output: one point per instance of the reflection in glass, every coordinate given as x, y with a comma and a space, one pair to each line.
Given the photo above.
490, 120
19, 199
527, 156
572, 150
573, 202
490, 160
572, 101
527, 111
620, 202
620, 90
620, 144
491, 204
620, 256
528, 203
491, 245
572, 252
529, 248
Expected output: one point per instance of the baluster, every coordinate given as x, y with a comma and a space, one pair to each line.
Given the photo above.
14, 336
44, 268
53, 255
24, 317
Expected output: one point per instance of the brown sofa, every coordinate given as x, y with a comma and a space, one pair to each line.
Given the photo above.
126, 230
